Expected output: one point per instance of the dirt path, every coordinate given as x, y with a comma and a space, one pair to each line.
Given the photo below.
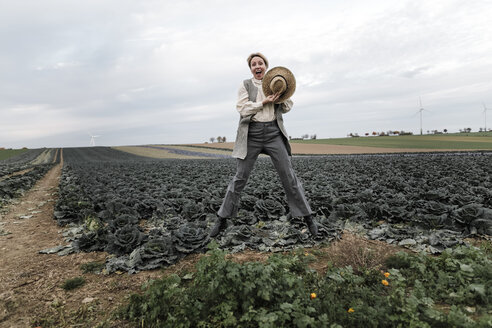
30, 291
45, 156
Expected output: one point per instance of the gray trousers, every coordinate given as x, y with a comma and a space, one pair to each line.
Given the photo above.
265, 137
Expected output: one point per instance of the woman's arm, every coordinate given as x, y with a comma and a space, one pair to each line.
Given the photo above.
244, 106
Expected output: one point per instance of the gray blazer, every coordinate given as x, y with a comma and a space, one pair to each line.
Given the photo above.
241, 144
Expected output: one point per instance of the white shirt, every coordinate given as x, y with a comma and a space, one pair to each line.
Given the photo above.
262, 113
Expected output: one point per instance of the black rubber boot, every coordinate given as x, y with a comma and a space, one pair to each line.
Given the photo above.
313, 228
220, 225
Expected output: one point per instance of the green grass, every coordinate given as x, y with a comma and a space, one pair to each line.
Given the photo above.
475, 141
6, 153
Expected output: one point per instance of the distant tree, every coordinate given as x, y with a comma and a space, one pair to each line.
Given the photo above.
366, 134
305, 136
212, 139
445, 130
374, 133
313, 136
224, 139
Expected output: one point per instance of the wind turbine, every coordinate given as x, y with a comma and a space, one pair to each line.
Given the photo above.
420, 111
485, 109
93, 139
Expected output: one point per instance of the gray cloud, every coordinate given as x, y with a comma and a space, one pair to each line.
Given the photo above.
162, 72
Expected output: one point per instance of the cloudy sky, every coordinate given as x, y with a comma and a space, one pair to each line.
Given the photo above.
166, 72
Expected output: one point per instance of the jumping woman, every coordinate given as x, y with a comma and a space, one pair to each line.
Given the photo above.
262, 100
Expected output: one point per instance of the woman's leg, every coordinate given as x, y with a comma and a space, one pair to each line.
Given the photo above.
275, 147
294, 191
230, 204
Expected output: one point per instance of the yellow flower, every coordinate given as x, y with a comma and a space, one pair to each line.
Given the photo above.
385, 282
386, 274
350, 310
313, 296
306, 254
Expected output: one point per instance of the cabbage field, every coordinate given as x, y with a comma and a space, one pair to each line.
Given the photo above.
19, 173
151, 213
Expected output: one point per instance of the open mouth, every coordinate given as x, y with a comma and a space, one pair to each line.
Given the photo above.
258, 72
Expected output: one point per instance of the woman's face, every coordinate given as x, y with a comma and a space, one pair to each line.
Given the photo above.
258, 67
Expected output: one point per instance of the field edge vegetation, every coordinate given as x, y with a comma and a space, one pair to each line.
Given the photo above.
405, 289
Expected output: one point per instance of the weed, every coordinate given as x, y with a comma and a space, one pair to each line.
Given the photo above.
486, 246
86, 315
114, 285
73, 283
92, 267
398, 261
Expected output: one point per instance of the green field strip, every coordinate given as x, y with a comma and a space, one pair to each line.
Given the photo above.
7, 153
410, 142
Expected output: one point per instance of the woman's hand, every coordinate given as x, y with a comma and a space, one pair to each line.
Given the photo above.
271, 99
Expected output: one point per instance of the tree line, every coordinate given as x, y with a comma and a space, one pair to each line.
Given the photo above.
219, 139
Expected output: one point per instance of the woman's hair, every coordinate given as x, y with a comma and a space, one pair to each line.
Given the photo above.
257, 54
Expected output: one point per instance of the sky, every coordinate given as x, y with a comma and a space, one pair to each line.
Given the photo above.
168, 72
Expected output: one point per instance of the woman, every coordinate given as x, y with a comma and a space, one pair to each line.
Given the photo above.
261, 130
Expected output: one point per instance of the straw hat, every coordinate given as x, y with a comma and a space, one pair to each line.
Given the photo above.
279, 79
